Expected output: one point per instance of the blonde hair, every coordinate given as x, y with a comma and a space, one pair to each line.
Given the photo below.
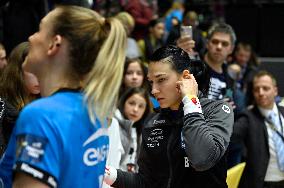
127, 20
97, 55
105, 78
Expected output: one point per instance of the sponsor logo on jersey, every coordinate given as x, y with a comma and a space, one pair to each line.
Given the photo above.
186, 162
30, 170
94, 155
30, 147
162, 121
154, 138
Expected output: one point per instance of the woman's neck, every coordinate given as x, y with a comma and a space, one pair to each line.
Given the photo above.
175, 107
50, 84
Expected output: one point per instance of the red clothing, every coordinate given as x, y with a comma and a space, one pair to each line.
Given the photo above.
142, 13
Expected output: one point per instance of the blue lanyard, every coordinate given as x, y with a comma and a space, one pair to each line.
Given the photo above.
273, 127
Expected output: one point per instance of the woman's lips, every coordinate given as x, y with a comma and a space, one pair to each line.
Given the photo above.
160, 99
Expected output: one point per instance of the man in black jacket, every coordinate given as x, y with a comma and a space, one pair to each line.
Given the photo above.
254, 128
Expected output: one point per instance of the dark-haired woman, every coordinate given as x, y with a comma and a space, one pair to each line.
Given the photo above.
134, 106
135, 75
184, 144
17, 89
153, 40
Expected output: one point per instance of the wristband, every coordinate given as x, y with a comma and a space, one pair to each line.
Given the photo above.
110, 175
191, 104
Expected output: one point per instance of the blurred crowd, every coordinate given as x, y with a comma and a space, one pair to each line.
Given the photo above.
233, 73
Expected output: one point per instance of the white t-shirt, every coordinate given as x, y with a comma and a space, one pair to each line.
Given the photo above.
273, 173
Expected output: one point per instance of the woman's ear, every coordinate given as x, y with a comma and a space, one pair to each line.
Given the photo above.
185, 74
54, 45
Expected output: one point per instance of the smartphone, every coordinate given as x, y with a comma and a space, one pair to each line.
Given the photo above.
186, 30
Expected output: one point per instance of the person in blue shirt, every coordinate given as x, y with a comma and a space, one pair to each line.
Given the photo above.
61, 139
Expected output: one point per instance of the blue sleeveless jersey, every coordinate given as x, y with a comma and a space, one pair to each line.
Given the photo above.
55, 142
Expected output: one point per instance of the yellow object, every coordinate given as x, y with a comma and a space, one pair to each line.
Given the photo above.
192, 96
234, 175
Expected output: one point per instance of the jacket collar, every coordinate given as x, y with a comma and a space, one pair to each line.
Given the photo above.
124, 123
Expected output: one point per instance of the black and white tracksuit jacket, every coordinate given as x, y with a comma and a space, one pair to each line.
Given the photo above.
182, 150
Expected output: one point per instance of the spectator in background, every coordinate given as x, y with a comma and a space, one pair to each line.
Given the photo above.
153, 40
245, 57
126, 128
260, 129
143, 11
221, 42
3, 60
176, 11
128, 22
135, 76
17, 88
133, 108
174, 33
191, 18
234, 71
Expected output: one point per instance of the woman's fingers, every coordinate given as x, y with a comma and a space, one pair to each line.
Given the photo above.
188, 85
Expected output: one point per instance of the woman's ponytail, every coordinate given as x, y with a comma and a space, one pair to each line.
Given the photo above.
103, 81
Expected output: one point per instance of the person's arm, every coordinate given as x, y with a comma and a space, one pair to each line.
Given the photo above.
36, 141
24, 181
121, 179
207, 129
206, 132
128, 180
115, 146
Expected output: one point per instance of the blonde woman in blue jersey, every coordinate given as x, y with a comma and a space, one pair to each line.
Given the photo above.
61, 139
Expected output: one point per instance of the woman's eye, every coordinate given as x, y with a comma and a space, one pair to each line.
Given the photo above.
139, 73
132, 102
161, 79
